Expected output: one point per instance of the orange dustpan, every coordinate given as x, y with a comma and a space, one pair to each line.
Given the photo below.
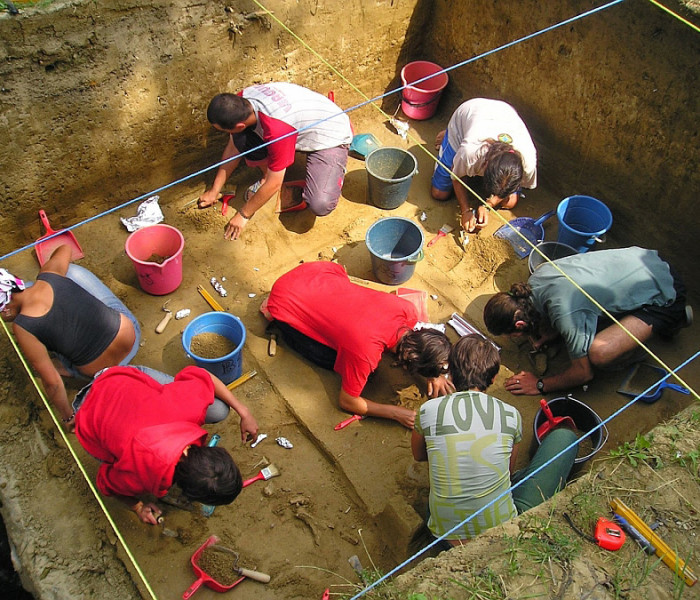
44, 249
552, 422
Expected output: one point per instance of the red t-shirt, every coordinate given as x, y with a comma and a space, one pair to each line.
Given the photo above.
139, 428
319, 300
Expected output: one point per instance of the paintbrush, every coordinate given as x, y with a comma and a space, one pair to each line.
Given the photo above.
267, 473
444, 230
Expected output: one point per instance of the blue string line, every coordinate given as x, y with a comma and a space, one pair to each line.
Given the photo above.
601, 425
357, 106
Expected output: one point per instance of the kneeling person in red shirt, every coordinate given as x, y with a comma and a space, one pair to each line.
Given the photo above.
145, 427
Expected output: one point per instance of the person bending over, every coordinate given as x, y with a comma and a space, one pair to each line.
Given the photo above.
471, 440
487, 142
346, 327
294, 119
70, 314
145, 428
634, 285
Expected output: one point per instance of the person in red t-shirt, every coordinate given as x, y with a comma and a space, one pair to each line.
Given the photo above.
287, 118
145, 427
346, 327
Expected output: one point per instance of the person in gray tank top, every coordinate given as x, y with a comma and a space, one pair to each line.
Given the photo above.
68, 323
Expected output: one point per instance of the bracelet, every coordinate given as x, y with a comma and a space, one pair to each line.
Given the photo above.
69, 419
240, 212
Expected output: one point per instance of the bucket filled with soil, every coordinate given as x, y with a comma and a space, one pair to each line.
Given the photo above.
584, 418
215, 341
156, 252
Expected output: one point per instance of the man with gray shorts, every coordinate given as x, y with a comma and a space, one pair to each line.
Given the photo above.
272, 122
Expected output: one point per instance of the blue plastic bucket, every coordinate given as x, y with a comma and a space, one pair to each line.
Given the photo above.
582, 222
389, 175
228, 367
395, 245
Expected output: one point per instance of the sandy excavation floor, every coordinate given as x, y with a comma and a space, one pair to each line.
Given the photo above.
351, 492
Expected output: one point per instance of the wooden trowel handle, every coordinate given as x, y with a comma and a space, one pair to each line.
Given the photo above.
163, 322
256, 575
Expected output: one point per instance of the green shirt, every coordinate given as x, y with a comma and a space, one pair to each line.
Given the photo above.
621, 281
469, 437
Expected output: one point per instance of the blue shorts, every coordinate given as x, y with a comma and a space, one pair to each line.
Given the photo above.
442, 180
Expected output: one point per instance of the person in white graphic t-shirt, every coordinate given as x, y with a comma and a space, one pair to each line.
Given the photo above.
283, 118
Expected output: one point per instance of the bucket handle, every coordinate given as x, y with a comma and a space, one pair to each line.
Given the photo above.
421, 256
601, 239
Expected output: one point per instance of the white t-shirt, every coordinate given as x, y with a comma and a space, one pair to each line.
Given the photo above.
481, 119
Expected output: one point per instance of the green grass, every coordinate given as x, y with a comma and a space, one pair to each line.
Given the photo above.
638, 451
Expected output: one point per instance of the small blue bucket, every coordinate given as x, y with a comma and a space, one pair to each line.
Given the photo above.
229, 367
389, 175
395, 245
582, 222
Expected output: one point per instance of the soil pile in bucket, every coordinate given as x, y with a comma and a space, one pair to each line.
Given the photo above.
218, 565
157, 258
211, 345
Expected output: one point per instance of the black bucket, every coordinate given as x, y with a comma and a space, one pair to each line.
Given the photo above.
585, 419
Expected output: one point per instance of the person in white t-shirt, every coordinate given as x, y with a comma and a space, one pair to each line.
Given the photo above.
287, 118
487, 143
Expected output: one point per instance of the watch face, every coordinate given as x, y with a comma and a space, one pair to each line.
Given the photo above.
540, 385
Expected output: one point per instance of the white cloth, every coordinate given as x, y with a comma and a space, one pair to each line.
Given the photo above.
8, 284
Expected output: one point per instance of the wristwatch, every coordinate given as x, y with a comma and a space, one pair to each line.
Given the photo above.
540, 386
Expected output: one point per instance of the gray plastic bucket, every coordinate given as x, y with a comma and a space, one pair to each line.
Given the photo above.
552, 250
395, 245
389, 174
585, 419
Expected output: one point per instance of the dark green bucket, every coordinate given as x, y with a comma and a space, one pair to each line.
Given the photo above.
389, 175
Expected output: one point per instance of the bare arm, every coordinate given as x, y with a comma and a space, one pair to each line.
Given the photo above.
58, 261
39, 358
468, 217
147, 513
271, 185
361, 406
210, 196
514, 457
579, 372
418, 447
249, 427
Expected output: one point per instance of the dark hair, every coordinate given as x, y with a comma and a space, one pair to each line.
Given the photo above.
505, 308
208, 475
474, 362
227, 110
425, 351
504, 170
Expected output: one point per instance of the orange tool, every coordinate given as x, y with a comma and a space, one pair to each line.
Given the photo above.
444, 230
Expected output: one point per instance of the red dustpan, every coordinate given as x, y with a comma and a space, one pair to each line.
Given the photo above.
45, 248
209, 581
552, 422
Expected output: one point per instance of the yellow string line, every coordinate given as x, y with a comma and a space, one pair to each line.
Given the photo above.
77, 460
422, 146
681, 19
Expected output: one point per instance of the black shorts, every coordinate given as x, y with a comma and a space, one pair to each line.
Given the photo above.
666, 320
318, 353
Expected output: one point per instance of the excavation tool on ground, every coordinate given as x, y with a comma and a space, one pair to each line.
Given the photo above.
205, 578
444, 230
166, 319
663, 551
641, 376
209, 299
527, 227
45, 247
242, 379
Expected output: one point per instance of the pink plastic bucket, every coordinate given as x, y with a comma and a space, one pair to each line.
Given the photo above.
162, 243
420, 101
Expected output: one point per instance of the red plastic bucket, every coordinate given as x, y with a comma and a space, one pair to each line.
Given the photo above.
164, 244
420, 101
